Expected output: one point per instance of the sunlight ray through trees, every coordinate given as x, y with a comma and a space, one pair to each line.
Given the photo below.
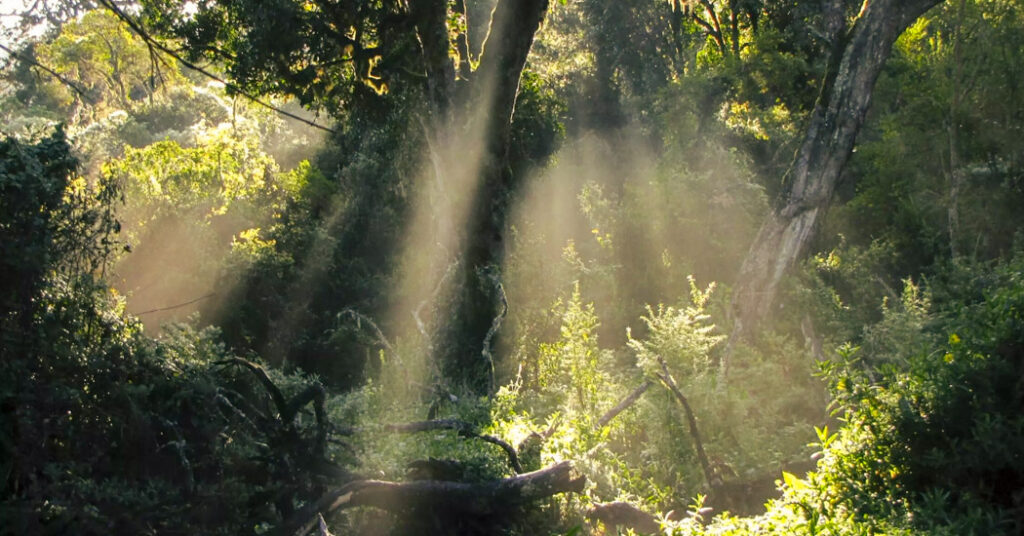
512, 267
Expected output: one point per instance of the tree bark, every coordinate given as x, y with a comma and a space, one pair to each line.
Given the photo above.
835, 122
956, 174
480, 302
623, 514
431, 18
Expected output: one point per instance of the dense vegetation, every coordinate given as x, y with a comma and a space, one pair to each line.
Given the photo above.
488, 267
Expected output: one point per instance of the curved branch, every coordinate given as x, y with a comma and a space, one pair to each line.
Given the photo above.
513, 458
464, 429
48, 70
360, 318
495, 326
318, 396
698, 443
275, 394
619, 513
431, 495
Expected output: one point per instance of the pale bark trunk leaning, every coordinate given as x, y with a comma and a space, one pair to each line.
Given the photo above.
837, 118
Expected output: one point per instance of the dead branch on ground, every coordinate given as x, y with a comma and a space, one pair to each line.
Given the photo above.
437, 497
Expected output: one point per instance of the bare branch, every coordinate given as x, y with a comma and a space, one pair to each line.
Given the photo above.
431, 495
224, 402
513, 458
433, 296
268, 384
625, 403
495, 326
322, 526
698, 444
619, 513
360, 318
178, 306
48, 70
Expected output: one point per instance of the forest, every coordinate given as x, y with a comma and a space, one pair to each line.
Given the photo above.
523, 267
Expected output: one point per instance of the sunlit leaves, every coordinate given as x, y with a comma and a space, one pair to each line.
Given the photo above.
319, 52
573, 364
102, 57
682, 336
165, 176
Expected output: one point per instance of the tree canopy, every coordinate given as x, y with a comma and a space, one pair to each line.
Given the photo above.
512, 267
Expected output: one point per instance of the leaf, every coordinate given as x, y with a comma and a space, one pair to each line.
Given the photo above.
793, 482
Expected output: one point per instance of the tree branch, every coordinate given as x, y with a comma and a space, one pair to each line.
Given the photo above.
619, 513
177, 306
457, 498
48, 70
464, 429
698, 443
625, 403
495, 326
360, 318
275, 394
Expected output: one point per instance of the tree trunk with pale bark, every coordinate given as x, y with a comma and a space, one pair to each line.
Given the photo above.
859, 54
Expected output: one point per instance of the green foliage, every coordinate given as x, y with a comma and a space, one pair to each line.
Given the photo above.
681, 337
54, 221
165, 177
537, 127
569, 369
944, 428
109, 66
954, 68
104, 430
929, 444
323, 56
672, 139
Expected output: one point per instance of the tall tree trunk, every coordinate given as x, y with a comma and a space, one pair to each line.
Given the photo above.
837, 118
480, 301
431, 18
956, 177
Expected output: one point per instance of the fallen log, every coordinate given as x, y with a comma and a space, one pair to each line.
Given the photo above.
622, 514
433, 496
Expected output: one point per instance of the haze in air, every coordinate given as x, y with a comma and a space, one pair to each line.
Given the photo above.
495, 267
